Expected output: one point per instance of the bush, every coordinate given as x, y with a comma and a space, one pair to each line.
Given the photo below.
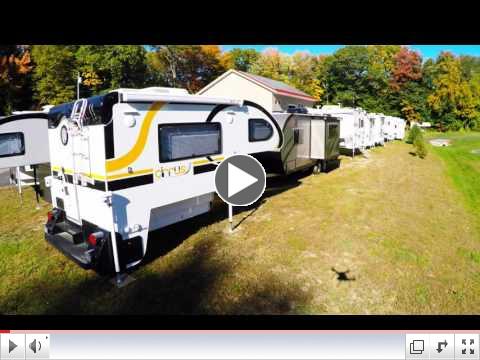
413, 134
420, 146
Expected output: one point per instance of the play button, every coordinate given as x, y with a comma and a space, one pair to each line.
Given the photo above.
240, 180
11, 346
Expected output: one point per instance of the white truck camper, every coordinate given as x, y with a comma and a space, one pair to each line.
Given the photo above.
24, 149
133, 161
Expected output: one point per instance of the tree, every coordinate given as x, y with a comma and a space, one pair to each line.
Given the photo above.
452, 101
107, 67
408, 94
190, 66
15, 78
240, 59
272, 64
347, 76
54, 73
407, 66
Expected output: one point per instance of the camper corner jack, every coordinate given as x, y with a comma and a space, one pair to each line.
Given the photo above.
121, 280
230, 217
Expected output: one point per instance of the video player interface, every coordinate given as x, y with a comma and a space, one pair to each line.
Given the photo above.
361, 345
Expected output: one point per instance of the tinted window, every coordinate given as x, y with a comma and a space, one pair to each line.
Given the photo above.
333, 130
185, 141
12, 144
259, 129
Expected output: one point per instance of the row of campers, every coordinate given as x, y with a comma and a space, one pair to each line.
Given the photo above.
132, 161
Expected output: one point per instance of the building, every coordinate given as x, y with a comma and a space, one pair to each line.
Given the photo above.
273, 95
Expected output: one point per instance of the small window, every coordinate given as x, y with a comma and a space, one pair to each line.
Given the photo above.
12, 144
297, 136
333, 131
259, 130
186, 141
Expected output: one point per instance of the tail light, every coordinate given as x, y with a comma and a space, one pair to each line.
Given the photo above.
94, 238
50, 216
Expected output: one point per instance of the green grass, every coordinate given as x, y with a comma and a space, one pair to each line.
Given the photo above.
404, 227
463, 166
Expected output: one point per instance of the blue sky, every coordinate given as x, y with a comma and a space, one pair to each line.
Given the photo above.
427, 51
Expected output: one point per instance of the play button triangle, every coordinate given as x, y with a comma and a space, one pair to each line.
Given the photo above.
11, 346
238, 180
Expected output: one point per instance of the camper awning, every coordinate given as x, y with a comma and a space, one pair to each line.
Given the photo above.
137, 96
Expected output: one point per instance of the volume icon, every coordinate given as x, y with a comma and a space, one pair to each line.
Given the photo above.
35, 346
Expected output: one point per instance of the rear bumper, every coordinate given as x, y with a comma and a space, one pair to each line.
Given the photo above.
79, 253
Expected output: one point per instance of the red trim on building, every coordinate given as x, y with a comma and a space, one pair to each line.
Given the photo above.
4, 331
280, 91
291, 93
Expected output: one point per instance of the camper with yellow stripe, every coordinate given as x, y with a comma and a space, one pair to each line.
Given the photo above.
133, 161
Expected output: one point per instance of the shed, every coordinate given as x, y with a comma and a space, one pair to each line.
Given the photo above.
273, 95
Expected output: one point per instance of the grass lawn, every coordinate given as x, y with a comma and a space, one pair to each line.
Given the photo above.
405, 228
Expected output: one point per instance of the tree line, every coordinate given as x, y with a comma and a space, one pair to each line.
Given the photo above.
390, 79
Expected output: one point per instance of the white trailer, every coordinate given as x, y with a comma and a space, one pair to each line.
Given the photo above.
378, 120
133, 161
389, 128
24, 149
352, 126
399, 131
310, 141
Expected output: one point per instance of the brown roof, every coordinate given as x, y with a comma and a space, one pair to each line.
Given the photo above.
277, 87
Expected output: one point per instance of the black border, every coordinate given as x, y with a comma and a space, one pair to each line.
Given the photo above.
239, 322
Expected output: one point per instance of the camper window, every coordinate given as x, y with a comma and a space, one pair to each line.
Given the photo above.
259, 130
12, 144
333, 131
186, 141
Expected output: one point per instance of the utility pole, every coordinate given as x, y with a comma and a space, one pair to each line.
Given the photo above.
79, 80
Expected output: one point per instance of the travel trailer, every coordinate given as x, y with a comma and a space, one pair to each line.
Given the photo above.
389, 128
378, 120
24, 149
310, 141
133, 161
399, 131
352, 126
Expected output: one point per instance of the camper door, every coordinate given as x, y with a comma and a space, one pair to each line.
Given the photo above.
70, 157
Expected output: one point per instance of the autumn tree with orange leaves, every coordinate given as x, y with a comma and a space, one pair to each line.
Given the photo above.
15, 85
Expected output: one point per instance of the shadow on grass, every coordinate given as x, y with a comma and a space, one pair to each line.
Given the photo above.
201, 280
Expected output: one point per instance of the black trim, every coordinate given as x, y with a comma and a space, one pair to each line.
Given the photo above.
11, 118
130, 182
22, 140
99, 110
166, 125
204, 168
280, 133
108, 139
216, 110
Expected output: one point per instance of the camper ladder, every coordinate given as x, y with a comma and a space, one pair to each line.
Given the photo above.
78, 111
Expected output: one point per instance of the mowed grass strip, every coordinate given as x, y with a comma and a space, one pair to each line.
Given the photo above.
385, 234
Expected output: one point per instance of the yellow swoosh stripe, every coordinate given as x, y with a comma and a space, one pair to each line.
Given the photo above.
125, 160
